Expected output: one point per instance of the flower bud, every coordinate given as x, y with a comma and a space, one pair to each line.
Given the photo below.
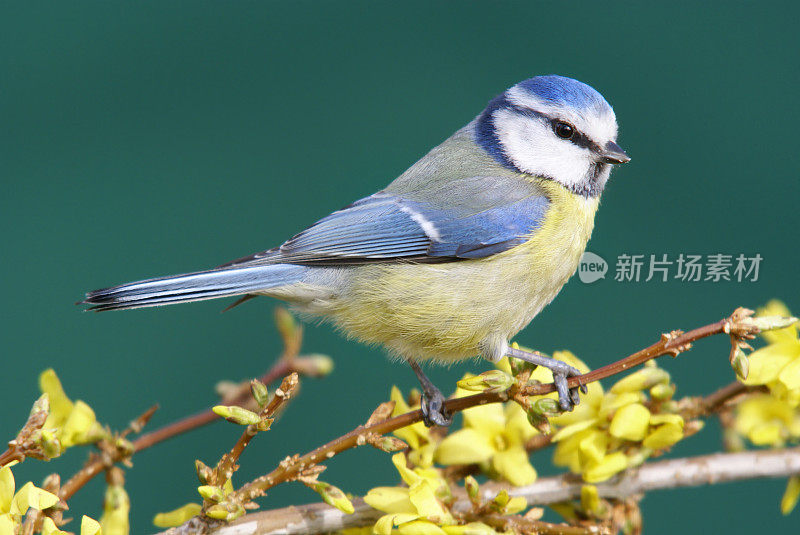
211, 493
547, 407
322, 364
662, 392
539, 421
332, 496
770, 323
492, 380
740, 364
41, 406
500, 501
260, 392
472, 488
590, 499
388, 444
204, 472
237, 415
217, 512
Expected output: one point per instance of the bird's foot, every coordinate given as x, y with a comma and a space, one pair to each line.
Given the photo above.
433, 411
432, 404
567, 397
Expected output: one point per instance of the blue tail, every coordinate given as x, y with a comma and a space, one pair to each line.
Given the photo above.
194, 286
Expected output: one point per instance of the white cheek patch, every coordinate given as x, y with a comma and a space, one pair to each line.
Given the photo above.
600, 124
531, 145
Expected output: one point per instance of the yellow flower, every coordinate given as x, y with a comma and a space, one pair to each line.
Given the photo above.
74, 422
609, 432
177, 516
630, 422
787, 334
790, 495
14, 505
116, 507
494, 436
49, 528
773, 419
767, 421
415, 509
590, 500
777, 365
90, 526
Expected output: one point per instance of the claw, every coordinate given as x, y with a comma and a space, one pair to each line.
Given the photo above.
432, 405
575, 396
567, 397
433, 411
564, 399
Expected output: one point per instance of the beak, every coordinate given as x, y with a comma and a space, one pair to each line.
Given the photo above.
614, 154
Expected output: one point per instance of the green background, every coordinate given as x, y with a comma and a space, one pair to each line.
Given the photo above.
155, 138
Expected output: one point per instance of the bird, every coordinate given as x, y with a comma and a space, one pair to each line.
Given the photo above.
456, 255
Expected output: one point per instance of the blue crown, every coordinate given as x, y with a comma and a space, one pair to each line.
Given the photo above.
560, 90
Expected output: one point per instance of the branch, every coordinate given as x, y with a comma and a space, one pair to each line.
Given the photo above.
687, 472
95, 465
738, 325
228, 463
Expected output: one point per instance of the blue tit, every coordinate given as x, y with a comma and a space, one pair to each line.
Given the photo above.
456, 255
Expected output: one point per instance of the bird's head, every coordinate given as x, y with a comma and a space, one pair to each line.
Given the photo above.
555, 128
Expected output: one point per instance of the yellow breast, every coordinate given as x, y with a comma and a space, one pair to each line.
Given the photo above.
449, 311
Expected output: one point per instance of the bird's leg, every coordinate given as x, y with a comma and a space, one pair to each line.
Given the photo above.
567, 397
433, 411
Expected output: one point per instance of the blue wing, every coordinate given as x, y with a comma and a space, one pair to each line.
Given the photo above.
393, 227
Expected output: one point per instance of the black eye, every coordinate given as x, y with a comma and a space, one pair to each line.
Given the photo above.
564, 130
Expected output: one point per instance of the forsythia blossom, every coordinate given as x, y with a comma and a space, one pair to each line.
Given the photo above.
422, 508
14, 504
418, 508
177, 516
71, 423
777, 365
493, 436
773, 418
611, 431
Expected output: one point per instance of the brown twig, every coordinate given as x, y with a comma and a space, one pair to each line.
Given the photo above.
227, 464
110, 453
11, 454
95, 465
719, 400
672, 344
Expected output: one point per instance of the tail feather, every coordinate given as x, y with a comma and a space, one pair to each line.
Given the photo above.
193, 287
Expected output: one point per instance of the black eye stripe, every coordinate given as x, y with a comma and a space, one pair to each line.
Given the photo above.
578, 138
